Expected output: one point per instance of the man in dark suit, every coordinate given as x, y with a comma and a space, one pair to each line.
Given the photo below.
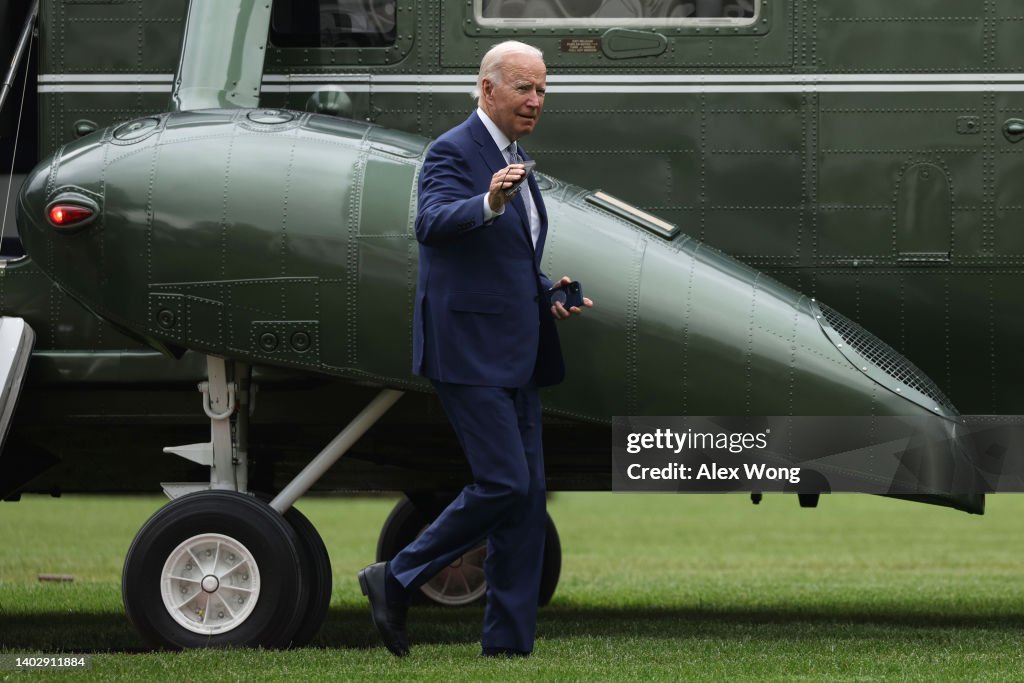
484, 334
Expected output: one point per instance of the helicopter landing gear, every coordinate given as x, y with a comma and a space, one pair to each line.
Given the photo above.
215, 569
219, 567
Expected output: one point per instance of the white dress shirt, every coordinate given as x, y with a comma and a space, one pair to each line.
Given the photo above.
503, 144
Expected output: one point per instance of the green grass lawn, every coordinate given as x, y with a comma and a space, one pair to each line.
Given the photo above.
653, 587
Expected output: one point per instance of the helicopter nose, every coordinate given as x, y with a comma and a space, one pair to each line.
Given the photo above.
62, 195
31, 208
60, 213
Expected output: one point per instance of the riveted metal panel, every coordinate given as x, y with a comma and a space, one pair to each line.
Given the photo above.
423, 110
662, 351
318, 217
125, 167
605, 342
868, 143
1006, 33
850, 232
664, 168
1001, 341
384, 304
186, 216
1008, 167
273, 299
765, 231
132, 41
292, 341
386, 211
248, 234
873, 35
953, 323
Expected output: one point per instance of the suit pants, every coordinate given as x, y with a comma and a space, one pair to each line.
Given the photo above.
500, 432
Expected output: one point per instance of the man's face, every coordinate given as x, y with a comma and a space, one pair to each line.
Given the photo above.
514, 102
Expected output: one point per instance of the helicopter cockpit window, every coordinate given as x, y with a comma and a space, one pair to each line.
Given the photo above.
333, 23
617, 12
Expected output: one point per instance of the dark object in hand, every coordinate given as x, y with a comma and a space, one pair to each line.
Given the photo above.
569, 295
511, 191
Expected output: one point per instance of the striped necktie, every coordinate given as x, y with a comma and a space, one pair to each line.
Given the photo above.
515, 158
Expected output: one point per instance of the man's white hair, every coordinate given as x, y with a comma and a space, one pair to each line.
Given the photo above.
490, 65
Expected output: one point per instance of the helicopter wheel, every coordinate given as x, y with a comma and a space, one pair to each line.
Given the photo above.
216, 569
316, 573
462, 582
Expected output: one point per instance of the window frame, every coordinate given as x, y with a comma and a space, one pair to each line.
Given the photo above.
294, 56
613, 22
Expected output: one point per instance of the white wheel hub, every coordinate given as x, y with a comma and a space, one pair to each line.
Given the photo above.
210, 584
461, 582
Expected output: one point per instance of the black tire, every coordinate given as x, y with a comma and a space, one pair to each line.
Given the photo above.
408, 519
551, 570
316, 573
316, 566
265, 543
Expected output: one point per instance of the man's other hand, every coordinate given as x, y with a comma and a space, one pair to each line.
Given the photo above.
502, 180
561, 312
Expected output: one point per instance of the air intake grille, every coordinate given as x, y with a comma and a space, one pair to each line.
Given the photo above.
884, 357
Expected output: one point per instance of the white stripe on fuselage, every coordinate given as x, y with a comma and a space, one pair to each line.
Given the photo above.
106, 78
569, 83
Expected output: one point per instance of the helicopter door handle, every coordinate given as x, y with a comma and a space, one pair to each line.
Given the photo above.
1013, 130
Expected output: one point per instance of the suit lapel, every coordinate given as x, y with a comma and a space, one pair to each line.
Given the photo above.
524, 215
494, 160
489, 152
542, 212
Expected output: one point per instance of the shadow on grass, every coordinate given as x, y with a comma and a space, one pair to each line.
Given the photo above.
350, 628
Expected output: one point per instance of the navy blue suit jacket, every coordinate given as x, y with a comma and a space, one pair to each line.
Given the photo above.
480, 316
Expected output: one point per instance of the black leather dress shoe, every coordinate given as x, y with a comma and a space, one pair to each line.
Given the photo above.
388, 618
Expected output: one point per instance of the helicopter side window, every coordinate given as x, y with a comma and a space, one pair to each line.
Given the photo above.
601, 12
333, 23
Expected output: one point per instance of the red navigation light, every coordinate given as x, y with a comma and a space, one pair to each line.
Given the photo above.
71, 210
68, 215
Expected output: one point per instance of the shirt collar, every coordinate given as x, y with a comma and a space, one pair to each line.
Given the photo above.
499, 138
